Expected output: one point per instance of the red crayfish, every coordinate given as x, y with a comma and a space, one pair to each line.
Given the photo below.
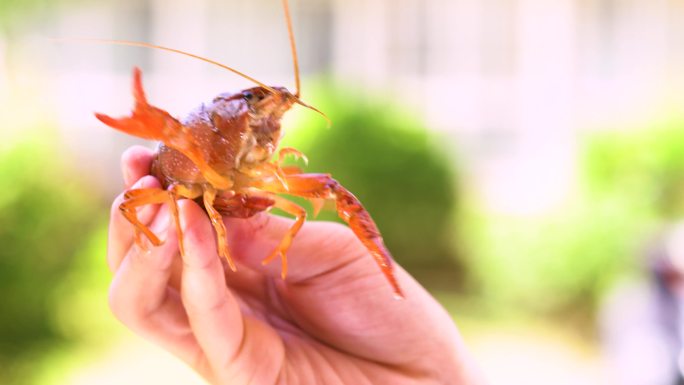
221, 154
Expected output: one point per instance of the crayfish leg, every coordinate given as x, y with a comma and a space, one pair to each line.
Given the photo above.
284, 245
317, 187
209, 196
140, 197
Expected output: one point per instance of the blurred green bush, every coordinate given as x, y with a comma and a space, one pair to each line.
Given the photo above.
45, 218
390, 161
644, 166
14, 12
631, 183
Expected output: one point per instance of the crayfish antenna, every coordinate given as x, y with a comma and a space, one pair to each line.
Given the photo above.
168, 49
293, 46
295, 63
327, 119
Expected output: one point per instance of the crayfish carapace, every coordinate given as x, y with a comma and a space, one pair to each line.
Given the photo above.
221, 155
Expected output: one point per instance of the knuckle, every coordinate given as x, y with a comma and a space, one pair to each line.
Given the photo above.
118, 303
116, 205
201, 262
134, 154
124, 308
199, 303
128, 155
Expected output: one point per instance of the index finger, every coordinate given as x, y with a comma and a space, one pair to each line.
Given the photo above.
135, 164
121, 231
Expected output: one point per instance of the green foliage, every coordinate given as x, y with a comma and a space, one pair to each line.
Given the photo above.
388, 159
561, 262
12, 11
644, 165
16, 15
43, 220
631, 184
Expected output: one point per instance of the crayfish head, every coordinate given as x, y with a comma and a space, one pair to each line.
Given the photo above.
264, 107
268, 104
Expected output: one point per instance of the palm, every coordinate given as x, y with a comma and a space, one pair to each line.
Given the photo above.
333, 320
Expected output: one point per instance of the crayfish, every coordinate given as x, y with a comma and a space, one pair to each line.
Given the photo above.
221, 155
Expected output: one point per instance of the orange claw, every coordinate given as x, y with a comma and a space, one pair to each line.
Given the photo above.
317, 187
285, 151
350, 209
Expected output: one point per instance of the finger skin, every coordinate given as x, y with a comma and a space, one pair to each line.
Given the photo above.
214, 314
135, 163
143, 269
140, 296
233, 343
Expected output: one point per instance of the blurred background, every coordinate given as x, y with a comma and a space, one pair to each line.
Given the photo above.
523, 158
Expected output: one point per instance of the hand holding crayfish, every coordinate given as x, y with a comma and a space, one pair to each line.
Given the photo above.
330, 322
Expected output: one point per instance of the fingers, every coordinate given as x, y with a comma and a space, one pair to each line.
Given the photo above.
131, 276
212, 309
135, 163
141, 298
121, 231
235, 345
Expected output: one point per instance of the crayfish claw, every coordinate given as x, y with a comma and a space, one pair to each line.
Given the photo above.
291, 151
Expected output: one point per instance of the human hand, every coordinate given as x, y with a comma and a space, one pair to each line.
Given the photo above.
332, 321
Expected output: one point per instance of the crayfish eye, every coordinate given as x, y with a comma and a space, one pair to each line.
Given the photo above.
253, 97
